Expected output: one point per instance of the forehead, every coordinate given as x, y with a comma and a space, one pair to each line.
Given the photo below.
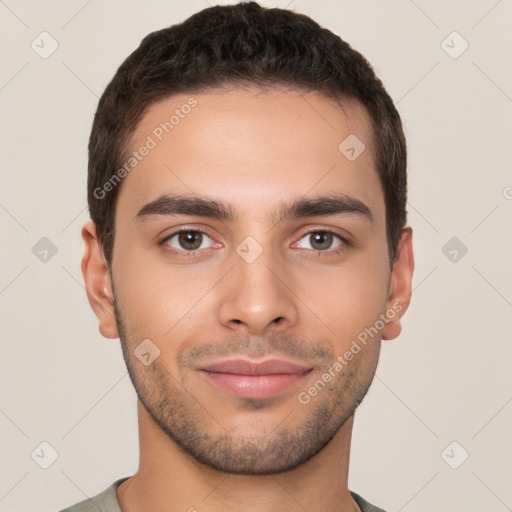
252, 148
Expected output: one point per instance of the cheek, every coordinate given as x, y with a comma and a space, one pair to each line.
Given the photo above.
160, 300
347, 299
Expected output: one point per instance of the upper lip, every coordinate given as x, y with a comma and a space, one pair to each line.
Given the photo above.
244, 367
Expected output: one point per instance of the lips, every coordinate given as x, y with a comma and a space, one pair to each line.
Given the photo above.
247, 379
244, 367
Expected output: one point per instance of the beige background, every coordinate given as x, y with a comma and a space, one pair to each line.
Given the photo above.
447, 378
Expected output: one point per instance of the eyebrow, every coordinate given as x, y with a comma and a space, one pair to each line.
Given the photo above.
326, 205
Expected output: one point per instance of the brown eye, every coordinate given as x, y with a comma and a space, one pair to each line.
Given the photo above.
321, 240
187, 240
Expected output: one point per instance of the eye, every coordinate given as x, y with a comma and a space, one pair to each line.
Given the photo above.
187, 240
322, 240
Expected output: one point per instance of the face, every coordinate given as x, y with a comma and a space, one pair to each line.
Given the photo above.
250, 258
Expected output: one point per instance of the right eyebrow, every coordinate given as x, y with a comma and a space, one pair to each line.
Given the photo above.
181, 205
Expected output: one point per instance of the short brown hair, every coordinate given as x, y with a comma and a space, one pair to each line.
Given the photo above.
224, 46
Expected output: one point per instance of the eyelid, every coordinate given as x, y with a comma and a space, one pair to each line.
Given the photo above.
345, 242
333, 231
186, 230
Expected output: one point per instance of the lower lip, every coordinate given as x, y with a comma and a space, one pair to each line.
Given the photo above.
255, 386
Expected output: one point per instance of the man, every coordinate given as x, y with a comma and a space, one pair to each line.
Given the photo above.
247, 189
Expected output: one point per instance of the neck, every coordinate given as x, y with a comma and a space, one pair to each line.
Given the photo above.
172, 480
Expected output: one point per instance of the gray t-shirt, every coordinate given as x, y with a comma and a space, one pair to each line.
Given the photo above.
107, 502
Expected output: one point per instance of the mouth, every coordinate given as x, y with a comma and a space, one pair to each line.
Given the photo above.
246, 379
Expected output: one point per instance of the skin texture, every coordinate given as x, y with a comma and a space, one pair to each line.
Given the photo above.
299, 300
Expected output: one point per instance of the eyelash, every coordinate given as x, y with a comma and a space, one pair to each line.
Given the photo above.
187, 254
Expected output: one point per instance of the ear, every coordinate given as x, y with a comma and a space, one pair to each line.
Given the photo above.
399, 286
97, 282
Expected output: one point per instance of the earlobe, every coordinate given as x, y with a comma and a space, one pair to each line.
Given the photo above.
399, 286
97, 282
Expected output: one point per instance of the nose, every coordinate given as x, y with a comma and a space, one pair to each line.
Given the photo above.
257, 297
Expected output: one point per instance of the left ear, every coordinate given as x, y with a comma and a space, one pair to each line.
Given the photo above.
399, 286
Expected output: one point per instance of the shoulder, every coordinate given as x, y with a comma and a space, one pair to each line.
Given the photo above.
364, 505
106, 501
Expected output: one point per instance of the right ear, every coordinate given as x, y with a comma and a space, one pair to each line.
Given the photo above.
97, 282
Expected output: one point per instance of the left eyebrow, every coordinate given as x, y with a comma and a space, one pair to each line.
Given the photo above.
326, 205
329, 205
